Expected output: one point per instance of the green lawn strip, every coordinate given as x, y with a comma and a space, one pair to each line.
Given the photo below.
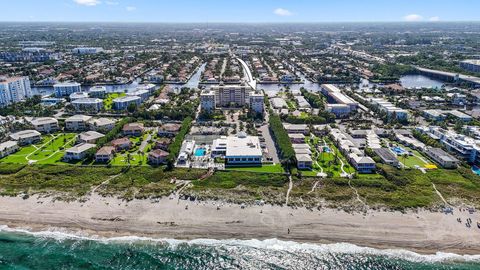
43, 151
412, 161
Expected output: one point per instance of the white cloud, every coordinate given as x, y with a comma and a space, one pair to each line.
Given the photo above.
87, 2
413, 18
282, 12
434, 19
130, 8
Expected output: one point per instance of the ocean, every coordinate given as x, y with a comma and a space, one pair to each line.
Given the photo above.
21, 249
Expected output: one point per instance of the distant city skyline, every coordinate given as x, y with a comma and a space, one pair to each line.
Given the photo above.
251, 11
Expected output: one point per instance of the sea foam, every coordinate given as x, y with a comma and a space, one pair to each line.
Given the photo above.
267, 244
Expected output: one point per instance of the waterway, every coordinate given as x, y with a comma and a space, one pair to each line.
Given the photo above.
48, 90
420, 81
192, 83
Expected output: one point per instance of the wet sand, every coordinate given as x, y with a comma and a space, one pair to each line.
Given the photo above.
424, 231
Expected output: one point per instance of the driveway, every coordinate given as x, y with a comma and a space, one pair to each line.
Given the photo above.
272, 150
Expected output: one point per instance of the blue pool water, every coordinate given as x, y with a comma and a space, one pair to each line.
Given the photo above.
398, 150
200, 152
476, 170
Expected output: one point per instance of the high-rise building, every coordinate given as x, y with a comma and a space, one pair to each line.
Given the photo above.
65, 89
256, 102
231, 95
14, 89
207, 100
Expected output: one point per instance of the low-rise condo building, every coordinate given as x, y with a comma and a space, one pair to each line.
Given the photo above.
26, 137
77, 122
67, 88
45, 124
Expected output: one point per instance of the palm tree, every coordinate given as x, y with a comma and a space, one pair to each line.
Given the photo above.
404, 156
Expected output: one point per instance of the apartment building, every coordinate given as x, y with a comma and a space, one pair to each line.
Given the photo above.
45, 124
335, 96
66, 89
14, 89
231, 95
465, 147
207, 100
8, 148
256, 101
101, 124
441, 157
78, 152
356, 157
122, 103
26, 137
390, 109
471, 65
77, 122
88, 104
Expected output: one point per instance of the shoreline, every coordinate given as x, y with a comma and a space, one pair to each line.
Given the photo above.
423, 232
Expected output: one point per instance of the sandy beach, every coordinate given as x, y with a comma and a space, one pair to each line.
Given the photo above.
424, 231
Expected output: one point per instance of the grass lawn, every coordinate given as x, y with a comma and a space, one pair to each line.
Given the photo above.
415, 160
304, 115
108, 101
49, 151
327, 159
277, 168
291, 105
136, 157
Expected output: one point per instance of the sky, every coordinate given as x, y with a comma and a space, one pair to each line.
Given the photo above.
263, 11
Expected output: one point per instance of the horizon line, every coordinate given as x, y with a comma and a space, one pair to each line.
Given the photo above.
276, 22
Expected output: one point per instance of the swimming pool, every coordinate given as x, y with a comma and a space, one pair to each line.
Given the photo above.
398, 150
476, 170
200, 152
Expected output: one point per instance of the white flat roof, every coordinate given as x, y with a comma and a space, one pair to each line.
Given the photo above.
81, 148
24, 134
243, 146
126, 99
7, 145
66, 84
87, 101
79, 117
43, 120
